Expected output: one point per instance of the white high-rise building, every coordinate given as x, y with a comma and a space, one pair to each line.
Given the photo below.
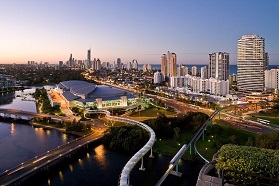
252, 62
158, 77
204, 72
144, 67
149, 67
271, 78
129, 66
135, 64
218, 67
194, 71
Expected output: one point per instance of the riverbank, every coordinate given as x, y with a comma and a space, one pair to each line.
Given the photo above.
55, 128
11, 90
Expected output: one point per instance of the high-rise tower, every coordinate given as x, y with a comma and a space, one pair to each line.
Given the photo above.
168, 66
218, 67
88, 60
252, 62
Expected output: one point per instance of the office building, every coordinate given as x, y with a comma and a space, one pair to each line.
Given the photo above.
252, 61
168, 65
218, 67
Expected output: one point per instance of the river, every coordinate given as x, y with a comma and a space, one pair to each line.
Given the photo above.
97, 165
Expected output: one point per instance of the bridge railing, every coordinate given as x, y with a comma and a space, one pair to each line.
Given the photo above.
125, 173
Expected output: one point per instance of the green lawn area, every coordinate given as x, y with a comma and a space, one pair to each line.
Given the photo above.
214, 138
273, 117
151, 112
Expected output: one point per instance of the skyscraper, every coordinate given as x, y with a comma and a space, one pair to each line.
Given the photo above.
218, 67
71, 61
252, 61
135, 64
168, 66
118, 63
89, 58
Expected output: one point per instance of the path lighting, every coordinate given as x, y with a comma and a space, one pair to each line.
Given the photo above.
208, 140
212, 136
205, 148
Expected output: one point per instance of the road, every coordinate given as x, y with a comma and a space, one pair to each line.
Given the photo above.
41, 161
235, 121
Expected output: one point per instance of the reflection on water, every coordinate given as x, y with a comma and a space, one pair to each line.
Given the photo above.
12, 128
6, 98
80, 162
64, 137
61, 176
14, 100
19, 143
40, 133
71, 167
100, 156
87, 169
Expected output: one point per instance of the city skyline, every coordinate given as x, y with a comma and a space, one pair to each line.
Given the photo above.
51, 31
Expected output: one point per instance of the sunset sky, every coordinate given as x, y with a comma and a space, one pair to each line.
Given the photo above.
49, 30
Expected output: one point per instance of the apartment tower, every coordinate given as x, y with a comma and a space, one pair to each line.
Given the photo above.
252, 61
218, 66
168, 66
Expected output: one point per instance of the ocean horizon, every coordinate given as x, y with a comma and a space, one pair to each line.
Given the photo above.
232, 68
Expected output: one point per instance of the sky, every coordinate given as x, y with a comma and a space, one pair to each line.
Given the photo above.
50, 30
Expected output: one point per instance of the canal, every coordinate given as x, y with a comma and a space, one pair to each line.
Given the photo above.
97, 165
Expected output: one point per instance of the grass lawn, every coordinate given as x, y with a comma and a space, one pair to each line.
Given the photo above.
214, 138
151, 112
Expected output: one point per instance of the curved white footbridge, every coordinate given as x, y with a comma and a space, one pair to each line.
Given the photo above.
124, 179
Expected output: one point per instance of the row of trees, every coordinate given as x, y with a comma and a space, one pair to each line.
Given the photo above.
165, 127
73, 126
43, 101
42, 75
